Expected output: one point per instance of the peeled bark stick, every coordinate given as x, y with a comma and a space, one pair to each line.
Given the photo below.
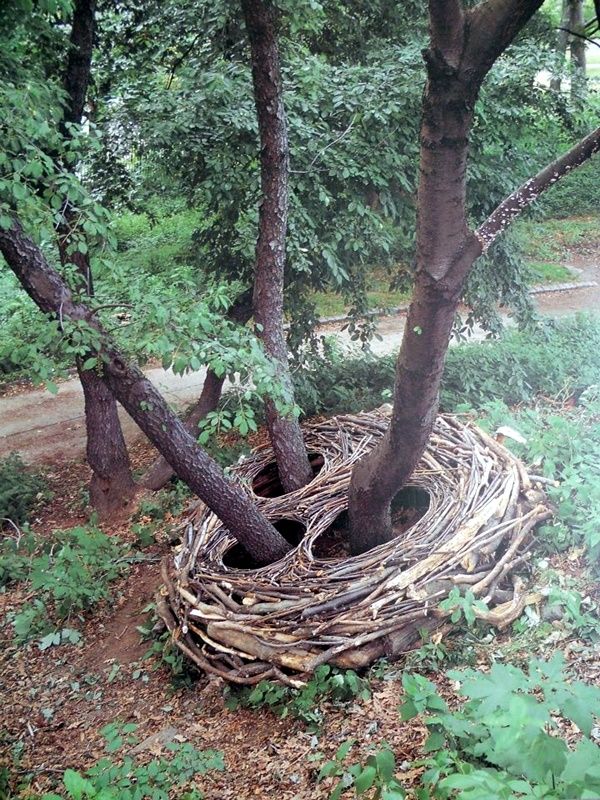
144, 403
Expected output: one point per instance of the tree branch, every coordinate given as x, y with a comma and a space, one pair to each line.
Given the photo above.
515, 203
492, 25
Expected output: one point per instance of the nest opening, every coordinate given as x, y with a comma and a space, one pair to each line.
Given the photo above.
291, 530
408, 506
267, 482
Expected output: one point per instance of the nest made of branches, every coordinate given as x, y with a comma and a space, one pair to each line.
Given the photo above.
318, 605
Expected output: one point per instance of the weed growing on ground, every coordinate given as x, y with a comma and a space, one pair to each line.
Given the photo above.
69, 573
327, 683
153, 511
375, 777
506, 741
131, 780
563, 447
22, 490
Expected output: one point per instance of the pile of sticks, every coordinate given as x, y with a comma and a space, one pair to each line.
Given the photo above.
283, 620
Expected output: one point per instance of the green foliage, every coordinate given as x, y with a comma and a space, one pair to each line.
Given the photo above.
563, 447
575, 194
69, 573
461, 606
131, 780
327, 683
374, 779
505, 740
550, 358
22, 490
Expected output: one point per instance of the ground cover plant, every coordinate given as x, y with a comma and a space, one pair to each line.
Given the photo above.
21, 490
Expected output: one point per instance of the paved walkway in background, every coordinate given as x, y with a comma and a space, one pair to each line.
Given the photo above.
46, 428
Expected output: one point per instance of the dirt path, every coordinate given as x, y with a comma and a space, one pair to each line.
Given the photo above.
48, 428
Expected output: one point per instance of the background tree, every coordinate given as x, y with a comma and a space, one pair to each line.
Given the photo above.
111, 485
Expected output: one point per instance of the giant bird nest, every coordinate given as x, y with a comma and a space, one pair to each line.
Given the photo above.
317, 606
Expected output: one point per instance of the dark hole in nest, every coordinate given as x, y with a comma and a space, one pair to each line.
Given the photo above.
291, 530
268, 483
408, 506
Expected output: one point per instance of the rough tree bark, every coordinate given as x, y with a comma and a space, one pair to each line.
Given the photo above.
112, 485
284, 431
161, 472
463, 46
562, 42
145, 404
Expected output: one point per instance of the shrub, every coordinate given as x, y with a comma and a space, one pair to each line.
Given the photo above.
506, 741
21, 490
69, 573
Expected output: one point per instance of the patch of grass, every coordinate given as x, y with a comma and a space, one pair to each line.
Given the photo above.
379, 295
550, 272
551, 240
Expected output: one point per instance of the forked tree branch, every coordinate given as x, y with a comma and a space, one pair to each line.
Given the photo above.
492, 26
515, 203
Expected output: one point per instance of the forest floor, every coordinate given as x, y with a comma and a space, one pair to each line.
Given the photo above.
46, 428
57, 701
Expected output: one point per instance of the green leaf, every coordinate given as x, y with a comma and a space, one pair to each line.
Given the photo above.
76, 785
365, 779
344, 749
386, 764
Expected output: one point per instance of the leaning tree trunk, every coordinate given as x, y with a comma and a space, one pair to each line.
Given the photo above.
145, 404
161, 472
284, 431
112, 485
463, 47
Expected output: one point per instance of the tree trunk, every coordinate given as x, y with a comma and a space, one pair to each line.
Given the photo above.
562, 42
284, 431
112, 485
576, 24
145, 404
442, 239
463, 47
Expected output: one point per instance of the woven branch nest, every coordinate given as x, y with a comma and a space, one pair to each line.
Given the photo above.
302, 611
